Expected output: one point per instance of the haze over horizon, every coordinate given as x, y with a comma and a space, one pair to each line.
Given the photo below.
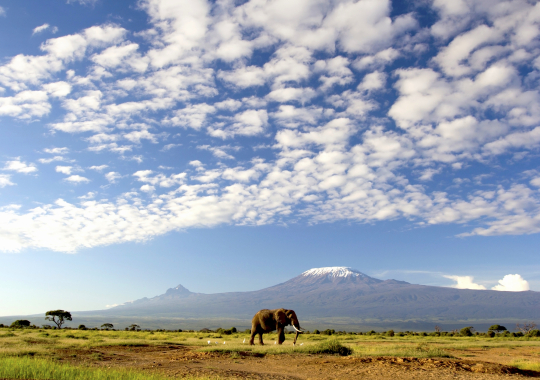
230, 146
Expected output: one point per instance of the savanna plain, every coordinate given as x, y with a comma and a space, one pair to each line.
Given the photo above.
53, 354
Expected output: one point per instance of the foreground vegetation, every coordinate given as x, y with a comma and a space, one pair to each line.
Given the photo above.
36, 353
18, 342
40, 369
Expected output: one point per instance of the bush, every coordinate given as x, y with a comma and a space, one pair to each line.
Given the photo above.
534, 333
491, 334
82, 327
332, 346
466, 331
390, 333
316, 331
20, 323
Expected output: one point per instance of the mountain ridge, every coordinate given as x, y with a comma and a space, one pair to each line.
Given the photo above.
342, 292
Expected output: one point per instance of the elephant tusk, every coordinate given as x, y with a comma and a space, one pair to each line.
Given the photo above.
296, 328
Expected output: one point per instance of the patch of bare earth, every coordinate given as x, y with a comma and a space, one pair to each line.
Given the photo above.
182, 361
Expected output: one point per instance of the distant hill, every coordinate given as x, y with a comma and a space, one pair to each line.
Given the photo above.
335, 296
338, 292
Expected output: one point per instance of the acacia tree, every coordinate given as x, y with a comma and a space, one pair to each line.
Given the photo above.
59, 317
107, 326
497, 328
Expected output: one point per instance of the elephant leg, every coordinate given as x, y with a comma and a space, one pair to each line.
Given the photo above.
253, 333
295, 337
260, 339
281, 335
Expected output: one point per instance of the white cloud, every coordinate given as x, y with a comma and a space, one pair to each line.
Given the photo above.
52, 159
112, 176
377, 61
2, 11
41, 28
76, 179
193, 116
247, 123
219, 151
159, 179
5, 180
83, 2
21, 167
62, 150
64, 169
512, 283
98, 168
465, 282
57, 89
25, 105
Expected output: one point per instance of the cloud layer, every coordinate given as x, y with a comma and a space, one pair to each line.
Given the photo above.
281, 112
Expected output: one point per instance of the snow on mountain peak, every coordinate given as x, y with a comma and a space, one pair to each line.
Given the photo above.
333, 272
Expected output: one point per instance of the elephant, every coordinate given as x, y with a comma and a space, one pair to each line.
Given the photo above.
269, 320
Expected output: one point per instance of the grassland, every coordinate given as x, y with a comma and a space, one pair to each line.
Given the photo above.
78, 354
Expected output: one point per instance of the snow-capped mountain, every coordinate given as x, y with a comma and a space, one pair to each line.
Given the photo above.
342, 292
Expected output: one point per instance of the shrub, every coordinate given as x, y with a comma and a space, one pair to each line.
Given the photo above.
390, 333
534, 333
316, 331
20, 323
332, 346
82, 327
491, 334
466, 331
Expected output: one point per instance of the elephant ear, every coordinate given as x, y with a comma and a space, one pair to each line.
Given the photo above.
281, 317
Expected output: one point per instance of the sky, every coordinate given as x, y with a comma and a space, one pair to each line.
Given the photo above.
232, 145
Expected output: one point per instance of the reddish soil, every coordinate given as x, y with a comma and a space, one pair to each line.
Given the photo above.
181, 361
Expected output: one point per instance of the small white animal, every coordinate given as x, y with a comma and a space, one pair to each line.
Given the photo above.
244, 340
209, 342
275, 342
223, 342
301, 343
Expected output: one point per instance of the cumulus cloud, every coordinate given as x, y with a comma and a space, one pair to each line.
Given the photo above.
76, 179
5, 180
465, 282
512, 283
19, 166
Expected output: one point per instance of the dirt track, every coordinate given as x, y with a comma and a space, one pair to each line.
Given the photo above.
180, 361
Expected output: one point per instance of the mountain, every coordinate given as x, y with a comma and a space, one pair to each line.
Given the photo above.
341, 293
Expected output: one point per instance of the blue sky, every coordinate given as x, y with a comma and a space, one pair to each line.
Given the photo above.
233, 145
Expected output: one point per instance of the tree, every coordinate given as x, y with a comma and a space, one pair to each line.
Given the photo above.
107, 326
467, 331
59, 317
497, 328
134, 327
20, 323
526, 327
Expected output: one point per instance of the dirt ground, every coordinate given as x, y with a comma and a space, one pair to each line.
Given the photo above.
181, 361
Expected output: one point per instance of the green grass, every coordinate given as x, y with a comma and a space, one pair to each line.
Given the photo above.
526, 364
40, 369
